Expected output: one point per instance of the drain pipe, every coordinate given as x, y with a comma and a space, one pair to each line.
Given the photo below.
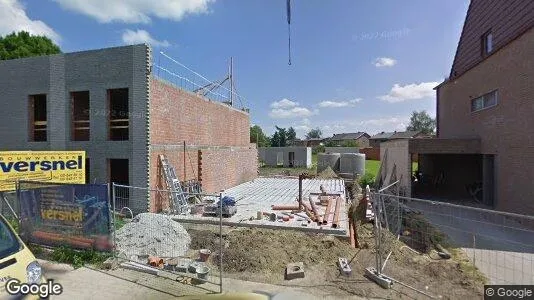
301, 176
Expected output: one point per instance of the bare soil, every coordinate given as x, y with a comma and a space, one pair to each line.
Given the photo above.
261, 255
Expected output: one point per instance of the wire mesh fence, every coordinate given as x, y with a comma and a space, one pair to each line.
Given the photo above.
488, 247
9, 205
158, 244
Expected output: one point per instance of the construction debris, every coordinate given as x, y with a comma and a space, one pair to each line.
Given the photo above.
139, 267
150, 234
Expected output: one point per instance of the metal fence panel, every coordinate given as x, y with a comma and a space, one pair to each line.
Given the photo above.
158, 244
494, 247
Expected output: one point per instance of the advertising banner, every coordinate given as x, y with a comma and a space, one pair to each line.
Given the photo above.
42, 166
69, 215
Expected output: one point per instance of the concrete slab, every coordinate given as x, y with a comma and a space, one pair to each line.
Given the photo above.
261, 193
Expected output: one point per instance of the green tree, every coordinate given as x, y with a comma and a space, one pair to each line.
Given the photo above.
22, 44
331, 143
279, 138
291, 134
314, 134
258, 136
350, 143
421, 121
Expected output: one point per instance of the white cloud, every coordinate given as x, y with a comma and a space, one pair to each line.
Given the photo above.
391, 123
135, 11
337, 104
284, 103
295, 112
412, 91
385, 62
14, 18
139, 36
286, 109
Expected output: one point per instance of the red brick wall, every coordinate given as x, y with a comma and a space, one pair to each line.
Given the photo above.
224, 168
506, 129
220, 132
371, 153
177, 115
176, 159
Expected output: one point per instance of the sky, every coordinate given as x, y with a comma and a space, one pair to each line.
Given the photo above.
355, 65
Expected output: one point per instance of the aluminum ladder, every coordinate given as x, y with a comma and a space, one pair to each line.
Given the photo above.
177, 198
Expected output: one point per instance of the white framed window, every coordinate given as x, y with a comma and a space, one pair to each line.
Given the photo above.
487, 43
485, 101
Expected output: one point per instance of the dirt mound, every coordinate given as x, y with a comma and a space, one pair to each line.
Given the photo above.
203, 239
327, 173
265, 250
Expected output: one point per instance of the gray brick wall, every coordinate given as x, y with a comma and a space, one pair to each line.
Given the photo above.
95, 71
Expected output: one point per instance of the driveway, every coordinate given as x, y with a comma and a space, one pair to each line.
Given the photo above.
500, 246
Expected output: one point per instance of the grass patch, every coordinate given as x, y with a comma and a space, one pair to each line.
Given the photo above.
78, 258
371, 167
119, 222
467, 267
14, 223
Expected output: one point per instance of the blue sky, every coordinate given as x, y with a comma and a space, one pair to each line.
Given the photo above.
356, 65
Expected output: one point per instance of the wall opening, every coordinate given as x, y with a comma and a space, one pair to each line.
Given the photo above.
118, 171
279, 159
80, 116
118, 114
291, 159
38, 119
488, 180
450, 177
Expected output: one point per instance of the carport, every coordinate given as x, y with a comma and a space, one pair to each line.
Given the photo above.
452, 170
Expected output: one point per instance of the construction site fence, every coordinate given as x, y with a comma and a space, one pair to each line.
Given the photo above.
189, 253
9, 205
497, 247
73, 215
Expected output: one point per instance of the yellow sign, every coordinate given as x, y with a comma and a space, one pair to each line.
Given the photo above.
41, 166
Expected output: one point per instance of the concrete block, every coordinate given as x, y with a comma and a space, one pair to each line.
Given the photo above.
294, 270
344, 266
110, 263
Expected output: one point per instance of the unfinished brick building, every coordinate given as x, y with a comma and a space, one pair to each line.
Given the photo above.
109, 103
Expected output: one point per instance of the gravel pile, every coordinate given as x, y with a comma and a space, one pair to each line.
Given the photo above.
152, 234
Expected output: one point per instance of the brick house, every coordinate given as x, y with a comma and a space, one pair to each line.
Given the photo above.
361, 138
109, 103
375, 140
484, 150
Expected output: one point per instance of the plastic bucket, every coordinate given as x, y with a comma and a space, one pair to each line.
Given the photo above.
202, 272
204, 254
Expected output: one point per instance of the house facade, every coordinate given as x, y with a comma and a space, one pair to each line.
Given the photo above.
490, 96
375, 140
484, 150
108, 103
340, 139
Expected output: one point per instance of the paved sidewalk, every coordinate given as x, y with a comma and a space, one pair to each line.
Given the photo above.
85, 283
